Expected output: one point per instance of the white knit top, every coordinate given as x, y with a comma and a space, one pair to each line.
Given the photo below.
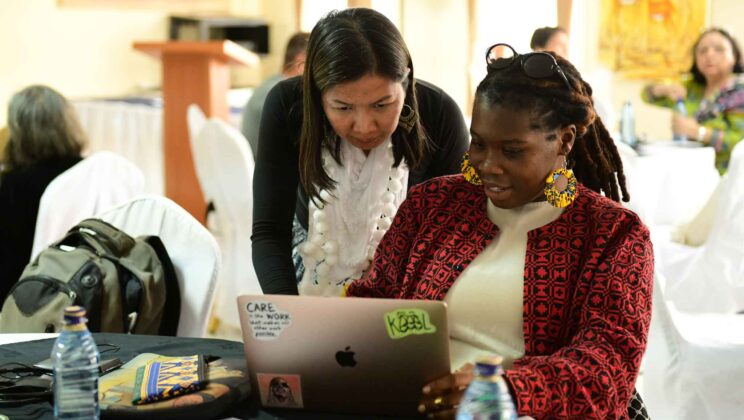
485, 302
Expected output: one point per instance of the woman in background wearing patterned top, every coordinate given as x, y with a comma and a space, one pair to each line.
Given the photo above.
713, 95
535, 263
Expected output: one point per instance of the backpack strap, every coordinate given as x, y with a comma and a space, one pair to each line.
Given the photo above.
117, 241
172, 307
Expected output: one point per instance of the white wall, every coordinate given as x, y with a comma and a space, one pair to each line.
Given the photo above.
80, 52
436, 34
87, 52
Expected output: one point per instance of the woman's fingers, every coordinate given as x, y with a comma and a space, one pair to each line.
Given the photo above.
456, 380
444, 414
441, 403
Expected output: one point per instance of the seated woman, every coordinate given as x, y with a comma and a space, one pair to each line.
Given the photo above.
713, 95
534, 262
45, 140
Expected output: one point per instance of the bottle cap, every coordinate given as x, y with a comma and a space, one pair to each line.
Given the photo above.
489, 365
76, 311
75, 315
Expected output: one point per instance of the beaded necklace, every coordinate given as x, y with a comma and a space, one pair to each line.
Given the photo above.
321, 252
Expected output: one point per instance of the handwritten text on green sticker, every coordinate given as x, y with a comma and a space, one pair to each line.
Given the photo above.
404, 322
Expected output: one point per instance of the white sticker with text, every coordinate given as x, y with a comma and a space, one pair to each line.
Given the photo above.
266, 320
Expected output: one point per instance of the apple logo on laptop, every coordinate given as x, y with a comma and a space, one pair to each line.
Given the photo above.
345, 357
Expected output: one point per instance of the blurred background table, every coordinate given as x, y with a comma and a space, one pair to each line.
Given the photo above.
669, 182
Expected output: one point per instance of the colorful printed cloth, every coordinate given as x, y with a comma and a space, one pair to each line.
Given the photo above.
167, 377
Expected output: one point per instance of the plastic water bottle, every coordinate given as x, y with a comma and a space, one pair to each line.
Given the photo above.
487, 397
75, 361
627, 125
681, 110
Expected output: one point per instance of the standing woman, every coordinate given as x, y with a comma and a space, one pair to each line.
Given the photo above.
338, 149
713, 95
45, 140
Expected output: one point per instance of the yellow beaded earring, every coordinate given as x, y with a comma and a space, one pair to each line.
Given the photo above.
468, 171
565, 197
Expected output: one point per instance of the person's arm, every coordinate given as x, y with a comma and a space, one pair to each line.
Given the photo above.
445, 125
385, 277
726, 130
594, 375
664, 94
275, 182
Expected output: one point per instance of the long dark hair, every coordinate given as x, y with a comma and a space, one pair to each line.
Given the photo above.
594, 157
344, 46
43, 126
738, 68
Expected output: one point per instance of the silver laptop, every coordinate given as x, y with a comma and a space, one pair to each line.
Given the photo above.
350, 355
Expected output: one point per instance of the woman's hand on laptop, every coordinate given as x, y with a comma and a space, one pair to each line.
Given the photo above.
442, 396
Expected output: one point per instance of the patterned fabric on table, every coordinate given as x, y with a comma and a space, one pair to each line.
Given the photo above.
587, 292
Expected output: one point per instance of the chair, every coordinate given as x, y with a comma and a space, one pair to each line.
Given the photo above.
98, 182
191, 247
692, 367
195, 119
710, 278
224, 167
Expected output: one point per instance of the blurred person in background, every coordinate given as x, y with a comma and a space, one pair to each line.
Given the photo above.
555, 39
45, 139
713, 95
294, 64
550, 38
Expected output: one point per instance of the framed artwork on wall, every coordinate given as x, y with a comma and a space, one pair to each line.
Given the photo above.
650, 39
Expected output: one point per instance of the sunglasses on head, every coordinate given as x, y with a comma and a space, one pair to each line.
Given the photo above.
537, 65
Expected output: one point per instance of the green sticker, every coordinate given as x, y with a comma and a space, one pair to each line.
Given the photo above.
404, 322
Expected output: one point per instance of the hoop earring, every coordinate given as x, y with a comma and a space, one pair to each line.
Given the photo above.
468, 171
561, 199
407, 118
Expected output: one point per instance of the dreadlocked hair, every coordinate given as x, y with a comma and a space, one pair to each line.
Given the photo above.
594, 157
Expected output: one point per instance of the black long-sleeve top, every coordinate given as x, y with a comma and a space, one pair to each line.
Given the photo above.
278, 195
20, 192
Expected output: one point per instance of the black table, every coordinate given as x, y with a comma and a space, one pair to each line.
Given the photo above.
130, 346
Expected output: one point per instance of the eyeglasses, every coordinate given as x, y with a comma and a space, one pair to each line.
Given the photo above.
537, 65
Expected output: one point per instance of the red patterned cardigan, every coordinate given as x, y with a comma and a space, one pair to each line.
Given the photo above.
588, 280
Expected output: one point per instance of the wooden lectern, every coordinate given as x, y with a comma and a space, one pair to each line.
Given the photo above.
193, 73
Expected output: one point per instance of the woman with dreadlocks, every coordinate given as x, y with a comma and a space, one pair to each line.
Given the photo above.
530, 248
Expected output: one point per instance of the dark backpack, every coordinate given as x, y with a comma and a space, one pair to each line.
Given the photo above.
126, 285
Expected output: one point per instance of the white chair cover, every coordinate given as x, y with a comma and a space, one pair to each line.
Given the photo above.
224, 167
710, 278
692, 367
191, 247
98, 182
195, 119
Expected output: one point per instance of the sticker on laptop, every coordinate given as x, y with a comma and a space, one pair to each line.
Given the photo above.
266, 320
401, 323
280, 390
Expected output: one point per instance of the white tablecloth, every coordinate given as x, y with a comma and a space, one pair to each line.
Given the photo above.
133, 128
670, 183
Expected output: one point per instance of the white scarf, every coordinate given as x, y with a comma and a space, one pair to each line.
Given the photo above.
351, 214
